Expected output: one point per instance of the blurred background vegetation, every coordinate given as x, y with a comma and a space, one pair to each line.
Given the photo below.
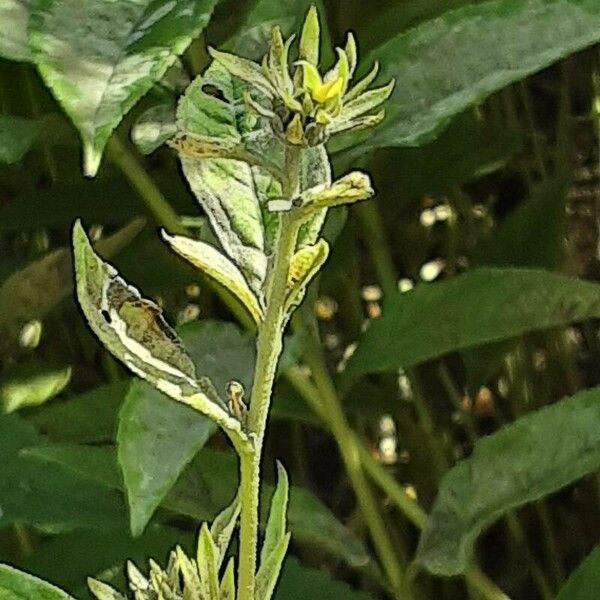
489, 158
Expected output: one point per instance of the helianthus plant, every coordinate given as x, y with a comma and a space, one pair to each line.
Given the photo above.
251, 139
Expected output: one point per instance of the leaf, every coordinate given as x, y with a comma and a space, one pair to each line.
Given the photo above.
35, 491
14, 18
207, 561
70, 421
134, 331
230, 191
218, 267
305, 265
511, 243
157, 437
222, 529
32, 384
350, 188
534, 456
481, 306
584, 583
253, 36
154, 127
277, 521
449, 63
17, 135
209, 484
20, 300
299, 582
67, 559
17, 585
227, 589
268, 574
99, 58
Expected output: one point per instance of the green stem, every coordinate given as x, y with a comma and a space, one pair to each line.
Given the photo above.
314, 397
268, 349
349, 447
123, 157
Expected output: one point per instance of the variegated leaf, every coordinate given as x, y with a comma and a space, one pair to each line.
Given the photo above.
227, 589
315, 170
234, 189
305, 264
222, 528
351, 188
133, 329
208, 566
103, 591
218, 267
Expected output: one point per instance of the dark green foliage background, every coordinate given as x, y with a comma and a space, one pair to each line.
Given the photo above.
491, 124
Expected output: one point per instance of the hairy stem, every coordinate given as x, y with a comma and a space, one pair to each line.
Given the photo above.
268, 349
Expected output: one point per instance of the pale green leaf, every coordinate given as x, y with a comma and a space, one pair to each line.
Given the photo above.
479, 307
227, 589
524, 461
350, 188
100, 57
218, 267
222, 528
103, 591
268, 574
277, 521
17, 585
584, 582
310, 39
154, 127
454, 61
232, 192
32, 384
14, 18
17, 135
305, 265
208, 563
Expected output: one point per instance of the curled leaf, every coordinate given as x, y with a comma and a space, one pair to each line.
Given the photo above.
351, 188
133, 329
305, 264
218, 267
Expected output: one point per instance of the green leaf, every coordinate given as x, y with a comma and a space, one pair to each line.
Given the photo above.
32, 384
511, 243
67, 559
534, 456
16, 134
17, 585
133, 329
71, 421
157, 437
99, 58
207, 560
209, 483
222, 528
299, 582
584, 583
19, 298
277, 521
14, 18
154, 127
481, 306
488, 46
45, 494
